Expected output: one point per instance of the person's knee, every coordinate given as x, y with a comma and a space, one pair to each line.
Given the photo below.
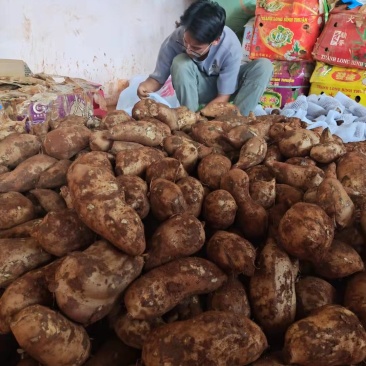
181, 65
264, 67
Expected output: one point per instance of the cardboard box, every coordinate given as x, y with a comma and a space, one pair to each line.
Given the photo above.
10, 67
290, 79
330, 79
285, 37
289, 7
343, 41
247, 39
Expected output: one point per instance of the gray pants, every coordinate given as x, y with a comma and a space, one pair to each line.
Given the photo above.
194, 87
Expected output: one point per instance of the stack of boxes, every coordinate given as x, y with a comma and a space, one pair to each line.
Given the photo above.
285, 31
341, 55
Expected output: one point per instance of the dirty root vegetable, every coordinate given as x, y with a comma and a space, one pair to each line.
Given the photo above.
186, 118
113, 352
218, 109
238, 135
134, 332
252, 218
306, 231
20, 231
232, 253
15, 209
349, 172
50, 338
231, 296
329, 149
302, 177
162, 288
61, 232
135, 191
262, 186
54, 176
341, 260
210, 133
65, 142
212, 338
297, 142
166, 168
136, 161
252, 153
211, 168
18, 256
288, 195
330, 336
18, 147
29, 289
272, 290
355, 296
48, 199
166, 199
219, 209
187, 154
98, 202
179, 236
332, 197
25, 176
100, 141
142, 132
313, 293
114, 118
88, 283
193, 194
146, 108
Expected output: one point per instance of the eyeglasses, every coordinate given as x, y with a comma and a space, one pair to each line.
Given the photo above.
194, 53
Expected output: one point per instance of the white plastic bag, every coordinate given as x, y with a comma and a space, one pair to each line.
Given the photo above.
128, 97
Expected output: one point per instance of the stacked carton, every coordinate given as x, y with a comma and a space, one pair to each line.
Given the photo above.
285, 31
341, 55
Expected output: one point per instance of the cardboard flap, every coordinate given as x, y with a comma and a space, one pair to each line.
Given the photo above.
10, 67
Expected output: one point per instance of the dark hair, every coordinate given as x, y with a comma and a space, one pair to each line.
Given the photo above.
205, 20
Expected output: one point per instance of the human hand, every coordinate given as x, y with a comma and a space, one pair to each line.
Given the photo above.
143, 90
148, 86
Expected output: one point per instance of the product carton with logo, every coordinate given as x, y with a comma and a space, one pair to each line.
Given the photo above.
287, 7
343, 41
289, 80
290, 38
330, 79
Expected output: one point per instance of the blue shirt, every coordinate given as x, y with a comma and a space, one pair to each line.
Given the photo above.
223, 60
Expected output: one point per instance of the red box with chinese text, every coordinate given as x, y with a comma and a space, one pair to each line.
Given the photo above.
343, 41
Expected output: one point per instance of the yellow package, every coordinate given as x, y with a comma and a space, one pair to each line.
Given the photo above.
330, 80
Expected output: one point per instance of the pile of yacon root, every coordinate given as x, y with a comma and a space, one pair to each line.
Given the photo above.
176, 238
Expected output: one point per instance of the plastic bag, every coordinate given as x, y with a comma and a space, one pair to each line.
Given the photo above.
128, 97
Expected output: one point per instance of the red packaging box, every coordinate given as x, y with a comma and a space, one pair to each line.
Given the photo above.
288, 7
343, 41
285, 37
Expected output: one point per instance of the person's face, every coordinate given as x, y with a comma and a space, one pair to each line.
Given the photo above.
194, 48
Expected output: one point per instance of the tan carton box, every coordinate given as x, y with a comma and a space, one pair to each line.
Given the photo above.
9, 67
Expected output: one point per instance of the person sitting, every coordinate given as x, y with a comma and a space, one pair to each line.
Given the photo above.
203, 57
